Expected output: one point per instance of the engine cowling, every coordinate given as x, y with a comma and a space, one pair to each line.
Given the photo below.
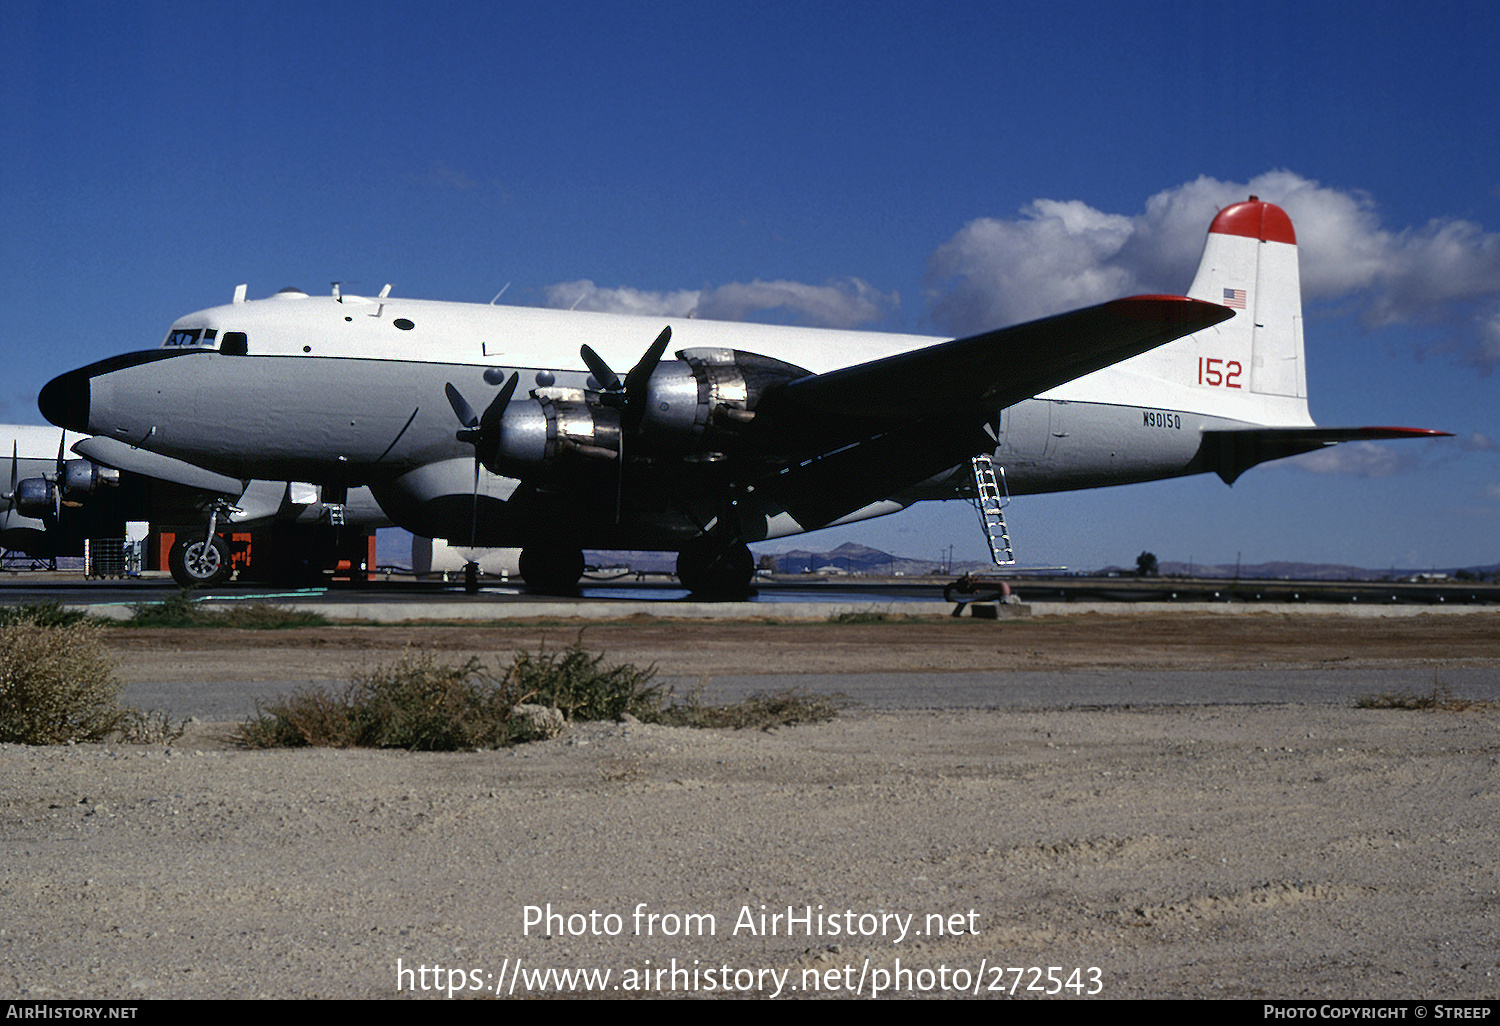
556, 423
84, 477
696, 404
35, 497
708, 395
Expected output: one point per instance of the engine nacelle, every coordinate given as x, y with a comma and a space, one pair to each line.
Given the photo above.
695, 404
35, 497
84, 477
556, 423
705, 397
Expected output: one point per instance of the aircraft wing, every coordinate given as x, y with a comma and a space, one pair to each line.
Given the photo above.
1231, 452
855, 435
972, 377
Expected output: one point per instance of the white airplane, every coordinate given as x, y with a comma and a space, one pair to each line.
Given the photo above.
752, 432
52, 504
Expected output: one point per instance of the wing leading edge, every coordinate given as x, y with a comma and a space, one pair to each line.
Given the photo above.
858, 434
971, 376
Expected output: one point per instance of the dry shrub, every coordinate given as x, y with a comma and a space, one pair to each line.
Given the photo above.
182, 610
57, 684
421, 703
416, 703
758, 712
1440, 699
577, 682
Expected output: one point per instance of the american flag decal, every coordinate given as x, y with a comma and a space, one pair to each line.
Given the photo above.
1234, 299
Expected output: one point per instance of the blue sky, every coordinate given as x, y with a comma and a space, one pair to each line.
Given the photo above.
803, 163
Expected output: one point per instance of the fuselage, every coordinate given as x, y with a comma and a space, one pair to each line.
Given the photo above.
348, 391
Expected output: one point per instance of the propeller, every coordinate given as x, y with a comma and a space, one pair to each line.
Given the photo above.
10, 496
628, 396
483, 433
57, 481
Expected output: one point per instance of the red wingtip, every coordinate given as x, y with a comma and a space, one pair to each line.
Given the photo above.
1255, 219
1172, 310
1406, 432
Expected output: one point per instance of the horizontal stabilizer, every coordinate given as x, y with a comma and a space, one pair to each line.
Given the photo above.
1230, 453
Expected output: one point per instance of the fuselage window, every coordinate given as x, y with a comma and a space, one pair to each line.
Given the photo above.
236, 343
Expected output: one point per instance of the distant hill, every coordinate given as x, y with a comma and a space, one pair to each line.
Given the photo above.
854, 558
1294, 571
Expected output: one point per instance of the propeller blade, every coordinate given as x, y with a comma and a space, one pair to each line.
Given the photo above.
461, 408
639, 377
608, 380
57, 482
635, 381
13, 472
487, 444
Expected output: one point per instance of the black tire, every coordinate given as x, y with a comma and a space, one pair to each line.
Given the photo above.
711, 569
194, 564
551, 569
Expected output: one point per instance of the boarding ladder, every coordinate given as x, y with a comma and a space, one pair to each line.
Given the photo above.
990, 499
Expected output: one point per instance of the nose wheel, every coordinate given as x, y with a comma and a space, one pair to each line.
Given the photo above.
200, 563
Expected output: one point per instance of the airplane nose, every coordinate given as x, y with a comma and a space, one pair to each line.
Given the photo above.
65, 400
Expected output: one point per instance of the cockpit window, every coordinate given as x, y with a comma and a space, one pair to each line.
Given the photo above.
190, 337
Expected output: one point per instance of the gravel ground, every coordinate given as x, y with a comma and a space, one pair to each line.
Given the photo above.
1246, 851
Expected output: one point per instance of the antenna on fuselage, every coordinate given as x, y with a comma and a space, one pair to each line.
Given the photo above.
499, 294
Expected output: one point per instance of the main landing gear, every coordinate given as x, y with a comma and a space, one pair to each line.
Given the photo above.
713, 568
551, 568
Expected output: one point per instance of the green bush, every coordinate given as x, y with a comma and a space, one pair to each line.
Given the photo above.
182, 611
57, 683
578, 683
420, 703
415, 703
46, 614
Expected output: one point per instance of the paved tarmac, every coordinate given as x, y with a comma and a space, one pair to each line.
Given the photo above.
987, 690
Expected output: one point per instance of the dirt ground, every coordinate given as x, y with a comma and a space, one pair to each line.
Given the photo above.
1292, 851
683, 648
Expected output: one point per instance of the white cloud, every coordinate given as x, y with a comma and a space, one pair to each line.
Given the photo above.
585, 295
839, 304
1057, 257
1060, 255
1360, 459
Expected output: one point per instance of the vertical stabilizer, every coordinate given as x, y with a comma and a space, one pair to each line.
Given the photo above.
1249, 368
1250, 264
